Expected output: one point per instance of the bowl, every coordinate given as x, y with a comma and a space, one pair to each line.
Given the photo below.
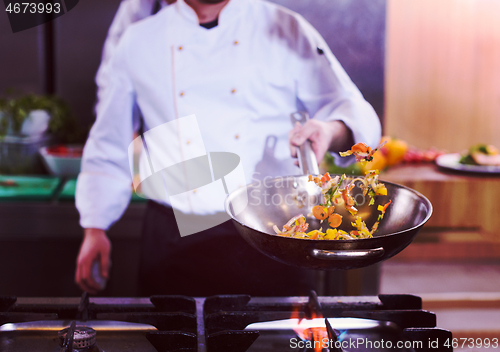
62, 160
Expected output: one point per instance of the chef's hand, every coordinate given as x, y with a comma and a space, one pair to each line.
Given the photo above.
95, 246
324, 136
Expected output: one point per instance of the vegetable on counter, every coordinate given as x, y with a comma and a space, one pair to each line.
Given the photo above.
394, 150
65, 151
481, 154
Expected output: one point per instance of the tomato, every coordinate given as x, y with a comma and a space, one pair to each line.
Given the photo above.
65, 151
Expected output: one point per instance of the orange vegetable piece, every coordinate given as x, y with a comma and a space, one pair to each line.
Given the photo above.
326, 177
385, 206
360, 147
349, 201
314, 236
330, 210
320, 212
394, 150
335, 220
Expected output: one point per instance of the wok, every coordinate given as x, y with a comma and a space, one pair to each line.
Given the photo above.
276, 201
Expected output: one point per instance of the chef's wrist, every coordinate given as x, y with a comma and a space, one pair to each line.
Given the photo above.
94, 232
341, 136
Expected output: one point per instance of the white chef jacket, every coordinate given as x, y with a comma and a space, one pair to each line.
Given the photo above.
242, 80
129, 11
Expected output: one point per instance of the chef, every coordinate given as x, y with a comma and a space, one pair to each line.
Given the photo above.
241, 67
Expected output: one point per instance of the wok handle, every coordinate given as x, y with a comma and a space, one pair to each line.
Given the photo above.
348, 253
307, 159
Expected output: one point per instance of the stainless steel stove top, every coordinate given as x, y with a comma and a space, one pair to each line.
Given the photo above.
222, 323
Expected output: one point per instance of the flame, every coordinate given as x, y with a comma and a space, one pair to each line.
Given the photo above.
342, 335
318, 335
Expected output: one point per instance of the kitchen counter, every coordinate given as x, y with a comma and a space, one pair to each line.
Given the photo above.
459, 200
465, 217
39, 219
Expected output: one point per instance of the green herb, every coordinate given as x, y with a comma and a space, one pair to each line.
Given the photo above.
338, 184
331, 192
62, 125
467, 159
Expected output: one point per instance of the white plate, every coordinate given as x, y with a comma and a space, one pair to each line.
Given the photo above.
450, 161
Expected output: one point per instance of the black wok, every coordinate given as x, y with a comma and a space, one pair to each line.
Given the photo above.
254, 210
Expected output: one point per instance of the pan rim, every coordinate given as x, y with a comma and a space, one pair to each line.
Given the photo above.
357, 240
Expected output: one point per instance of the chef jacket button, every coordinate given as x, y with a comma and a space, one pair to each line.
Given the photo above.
233, 91
235, 42
181, 94
188, 141
180, 48
194, 190
237, 136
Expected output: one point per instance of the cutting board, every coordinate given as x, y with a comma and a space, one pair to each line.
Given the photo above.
28, 187
69, 189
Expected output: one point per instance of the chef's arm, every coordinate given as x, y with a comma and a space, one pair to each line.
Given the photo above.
341, 116
333, 136
95, 246
104, 185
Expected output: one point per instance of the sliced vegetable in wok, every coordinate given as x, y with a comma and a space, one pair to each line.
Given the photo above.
297, 226
362, 151
335, 194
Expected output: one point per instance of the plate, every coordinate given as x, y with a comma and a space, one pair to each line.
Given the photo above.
450, 162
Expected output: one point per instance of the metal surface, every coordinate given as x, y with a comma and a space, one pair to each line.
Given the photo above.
307, 159
222, 320
46, 341
336, 323
275, 202
57, 325
348, 254
82, 337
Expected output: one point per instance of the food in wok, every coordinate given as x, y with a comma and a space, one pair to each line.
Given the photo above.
335, 192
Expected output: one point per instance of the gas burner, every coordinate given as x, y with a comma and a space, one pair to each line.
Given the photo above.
84, 339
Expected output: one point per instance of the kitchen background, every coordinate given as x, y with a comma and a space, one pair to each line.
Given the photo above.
64, 57
430, 68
